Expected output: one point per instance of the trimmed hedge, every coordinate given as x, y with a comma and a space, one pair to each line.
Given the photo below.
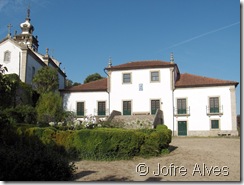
106, 143
26, 158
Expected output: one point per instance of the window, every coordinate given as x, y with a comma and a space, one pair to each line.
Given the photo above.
126, 78
126, 107
33, 72
181, 106
101, 108
7, 55
155, 76
155, 104
214, 104
214, 124
80, 109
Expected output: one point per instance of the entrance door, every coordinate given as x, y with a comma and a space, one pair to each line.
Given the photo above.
126, 107
182, 128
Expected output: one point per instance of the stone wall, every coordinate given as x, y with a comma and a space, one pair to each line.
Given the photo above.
134, 121
210, 133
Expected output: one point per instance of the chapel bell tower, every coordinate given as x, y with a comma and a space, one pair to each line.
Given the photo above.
26, 37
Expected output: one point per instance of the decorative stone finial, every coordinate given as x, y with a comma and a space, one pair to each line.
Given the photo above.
110, 62
28, 13
9, 30
171, 57
47, 50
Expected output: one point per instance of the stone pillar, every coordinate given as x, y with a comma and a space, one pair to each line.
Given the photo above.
233, 107
109, 90
23, 66
172, 78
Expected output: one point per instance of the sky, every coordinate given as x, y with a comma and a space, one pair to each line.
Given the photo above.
204, 35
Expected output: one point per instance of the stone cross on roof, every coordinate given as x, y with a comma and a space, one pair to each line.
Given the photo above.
9, 29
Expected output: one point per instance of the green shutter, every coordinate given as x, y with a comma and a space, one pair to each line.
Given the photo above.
214, 124
181, 106
126, 107
80, 109
214, 104
155, 104
101, 109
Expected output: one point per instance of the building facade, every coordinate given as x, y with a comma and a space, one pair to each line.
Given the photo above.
192, 105
20, 54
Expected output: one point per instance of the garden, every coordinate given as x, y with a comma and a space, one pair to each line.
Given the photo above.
40, 141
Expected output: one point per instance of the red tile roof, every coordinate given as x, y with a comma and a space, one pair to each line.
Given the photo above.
186, 81
142, 65
190, 80
98, 85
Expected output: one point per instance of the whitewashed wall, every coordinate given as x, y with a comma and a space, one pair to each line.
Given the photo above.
14, 65
198, 99
31, 62
90, 100
61, 81
141, 100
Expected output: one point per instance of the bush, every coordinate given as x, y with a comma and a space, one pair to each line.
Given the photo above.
26, 158
107, 143
21, 114
49, 108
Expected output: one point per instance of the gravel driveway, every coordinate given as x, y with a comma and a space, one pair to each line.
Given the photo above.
191, 159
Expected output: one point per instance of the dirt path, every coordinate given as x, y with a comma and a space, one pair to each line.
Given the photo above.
191, 159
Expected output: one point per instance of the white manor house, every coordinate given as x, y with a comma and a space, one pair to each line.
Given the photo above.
188, 104
191, 105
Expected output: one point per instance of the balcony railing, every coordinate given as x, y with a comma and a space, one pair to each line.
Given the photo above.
214, 110
182, 112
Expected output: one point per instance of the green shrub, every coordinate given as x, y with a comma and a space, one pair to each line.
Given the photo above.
99, 144
104, 143
26, 158
166, 135
21, 114
161, 127
49, 108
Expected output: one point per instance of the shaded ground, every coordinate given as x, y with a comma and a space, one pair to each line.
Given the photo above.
191, 159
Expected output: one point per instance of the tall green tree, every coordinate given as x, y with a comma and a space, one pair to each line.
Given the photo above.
68, 83
49, 108
9, 85
93, 77
46, 80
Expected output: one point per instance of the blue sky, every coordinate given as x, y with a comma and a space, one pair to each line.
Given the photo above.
204, 35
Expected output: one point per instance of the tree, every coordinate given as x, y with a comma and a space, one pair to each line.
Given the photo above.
69, 83
46, 80
9, 85
76, 83
93, 77
49, 108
